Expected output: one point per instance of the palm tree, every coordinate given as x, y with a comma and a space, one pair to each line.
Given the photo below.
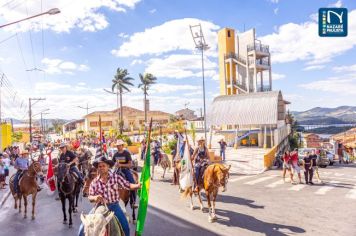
146, 81
121, 83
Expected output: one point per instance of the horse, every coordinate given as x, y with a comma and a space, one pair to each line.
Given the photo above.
124, 194
84, 161
68, 189
27, 186
164, 163
177, 167
215, 176
101, 222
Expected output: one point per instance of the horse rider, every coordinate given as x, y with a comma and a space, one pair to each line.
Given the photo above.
21, 164
70, 159
123, 161
201, 159
105, 190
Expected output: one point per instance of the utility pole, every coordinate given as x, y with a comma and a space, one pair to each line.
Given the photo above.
200, 44
86, 108
30, 112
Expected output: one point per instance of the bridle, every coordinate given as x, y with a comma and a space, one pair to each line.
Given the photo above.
63, 181
34, 170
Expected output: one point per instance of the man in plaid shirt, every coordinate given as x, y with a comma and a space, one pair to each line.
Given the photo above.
105, 189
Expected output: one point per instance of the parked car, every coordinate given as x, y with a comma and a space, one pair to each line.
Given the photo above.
321, 161
331, 156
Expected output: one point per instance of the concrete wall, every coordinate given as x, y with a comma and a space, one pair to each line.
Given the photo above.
5, 135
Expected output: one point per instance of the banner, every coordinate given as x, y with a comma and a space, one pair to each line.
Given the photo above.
186, 176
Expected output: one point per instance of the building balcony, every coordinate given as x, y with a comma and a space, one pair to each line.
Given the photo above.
265, 88
236, 57
258, 47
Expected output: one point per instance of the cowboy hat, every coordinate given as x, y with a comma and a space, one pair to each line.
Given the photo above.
120, 142
24, 152
103, 159
201, 139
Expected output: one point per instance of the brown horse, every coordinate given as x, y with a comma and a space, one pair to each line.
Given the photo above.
176, 174
165, 163
124, 194
215, 176
28, 186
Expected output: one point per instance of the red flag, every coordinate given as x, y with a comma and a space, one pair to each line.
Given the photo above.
50, 173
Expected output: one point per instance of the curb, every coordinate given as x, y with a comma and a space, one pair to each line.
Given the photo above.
4, 198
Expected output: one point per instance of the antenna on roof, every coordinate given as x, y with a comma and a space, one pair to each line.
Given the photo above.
186, 104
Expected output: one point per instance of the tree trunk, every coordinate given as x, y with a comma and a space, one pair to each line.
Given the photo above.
121, 115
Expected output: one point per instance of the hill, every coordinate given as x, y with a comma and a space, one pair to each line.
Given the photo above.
327, 116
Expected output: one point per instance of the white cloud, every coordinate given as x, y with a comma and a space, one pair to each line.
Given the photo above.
294, 42
169, 88
276, 76
81, 84
180, 66
153, 11
82, 14
50, 86
58, 66
351, 68
170, 36
275, 11
316, 67
339, 85
123, 35
336, 4
136, 62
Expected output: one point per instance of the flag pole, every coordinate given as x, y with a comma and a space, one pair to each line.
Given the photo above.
100, 133
145, 184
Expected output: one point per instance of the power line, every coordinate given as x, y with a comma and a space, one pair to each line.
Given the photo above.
23, 59
31, 42
10, 37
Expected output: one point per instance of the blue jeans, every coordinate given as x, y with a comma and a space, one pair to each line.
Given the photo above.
222, 154
16, 181
130, 178
77, 172
197, 174
115, 207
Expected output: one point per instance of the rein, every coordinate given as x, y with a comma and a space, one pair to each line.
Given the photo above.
33, 168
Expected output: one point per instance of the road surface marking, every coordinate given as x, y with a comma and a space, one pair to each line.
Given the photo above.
259, 180
274, 184
323, 190
352, 193
241, 178
297, 187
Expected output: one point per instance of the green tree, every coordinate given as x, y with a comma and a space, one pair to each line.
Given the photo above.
121, 82
146, 81
58, 125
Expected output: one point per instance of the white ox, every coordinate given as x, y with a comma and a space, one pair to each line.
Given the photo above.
95, 223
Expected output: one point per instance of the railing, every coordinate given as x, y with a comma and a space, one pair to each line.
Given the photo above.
236, 57
258, 47
265, 88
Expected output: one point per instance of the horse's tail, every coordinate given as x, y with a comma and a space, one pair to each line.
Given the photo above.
187, 191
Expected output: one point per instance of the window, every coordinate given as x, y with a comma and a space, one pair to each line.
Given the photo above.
228, 33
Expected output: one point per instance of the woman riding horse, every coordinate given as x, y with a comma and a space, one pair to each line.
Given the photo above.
105, 190
201, 159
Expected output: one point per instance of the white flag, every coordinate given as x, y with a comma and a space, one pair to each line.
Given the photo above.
186, 174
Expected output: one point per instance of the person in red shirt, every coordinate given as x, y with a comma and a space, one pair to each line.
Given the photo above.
295, 164
287, 166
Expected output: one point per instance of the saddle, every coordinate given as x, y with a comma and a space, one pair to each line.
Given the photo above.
202, 171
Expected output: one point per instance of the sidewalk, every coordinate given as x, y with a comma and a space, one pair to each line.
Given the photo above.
5, 193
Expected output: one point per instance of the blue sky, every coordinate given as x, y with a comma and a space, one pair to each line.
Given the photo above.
84, 44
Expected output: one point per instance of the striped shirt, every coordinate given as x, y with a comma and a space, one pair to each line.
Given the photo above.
109, 190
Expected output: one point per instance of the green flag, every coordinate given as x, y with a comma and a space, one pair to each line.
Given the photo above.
144, 191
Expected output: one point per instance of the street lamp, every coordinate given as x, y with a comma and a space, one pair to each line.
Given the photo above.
52, 11
200, 44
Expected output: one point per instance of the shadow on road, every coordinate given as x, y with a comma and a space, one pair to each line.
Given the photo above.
165, 224
239, 201
255, 225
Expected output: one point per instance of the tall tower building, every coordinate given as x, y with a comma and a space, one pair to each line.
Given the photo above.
244, 63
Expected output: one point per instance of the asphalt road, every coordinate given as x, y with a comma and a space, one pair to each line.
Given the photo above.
253, 205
